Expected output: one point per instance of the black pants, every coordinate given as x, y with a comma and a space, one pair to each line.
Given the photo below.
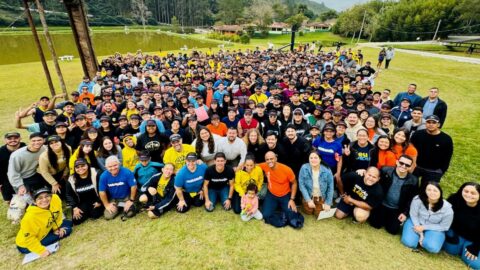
383, 216
7, 191
88, 212
427, 175
195, 201
236, 203
35, 182
387, 63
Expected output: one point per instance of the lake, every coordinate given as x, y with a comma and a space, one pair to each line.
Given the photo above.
21, 48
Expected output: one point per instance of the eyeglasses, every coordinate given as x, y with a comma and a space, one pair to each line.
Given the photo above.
401, 163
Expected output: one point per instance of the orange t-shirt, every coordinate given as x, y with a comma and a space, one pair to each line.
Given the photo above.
221, 130
87, 95
386, 158
410, 151
279, 178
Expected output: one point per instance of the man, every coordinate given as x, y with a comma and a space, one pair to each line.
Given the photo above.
362, 194
435, 150
282, 188
272, 144
297, 149
68, 113
271, 124
217, 127
117, 188
86, 83
86, 95
416, 123
38, 108
433, 105
234, 149
367, 70
152, 141
389, 54
12, 143
46, 127
23, 164
353, 124
246, 123
410, 94
399, 187
218, 183
402, 112
189, 183
302, 127
258, 96
177, 153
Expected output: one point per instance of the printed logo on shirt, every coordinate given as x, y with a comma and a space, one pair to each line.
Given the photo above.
196, 179
117, 184
321, 149
219, 179
360, 191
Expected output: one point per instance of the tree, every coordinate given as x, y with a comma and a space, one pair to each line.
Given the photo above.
229, 11
175, 25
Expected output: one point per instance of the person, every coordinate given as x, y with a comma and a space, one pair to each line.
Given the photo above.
254, 141
217, 127
297, 149
45, 127
108, 148
399, 187
53, 164
401, 146
410, 94
362, 194
247, 123
433, 105
144, 170
159, 196
82, 193
218, 183
330, 151
430, 217
129, 154
353, 124
272, 144
117, 189
23, 164
177, 152
189, 183
403, 112
315, 182
13, 142
381, 155
152, 141
416, 123
389, 54
356, 156
85, 151
206, 145
463, 239
234, 149
250, 173
282, 187
43, 224
435, 150
381, 57
249, 204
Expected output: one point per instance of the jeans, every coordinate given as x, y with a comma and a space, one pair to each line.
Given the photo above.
272, 202
459, 249
214, 194
51, 237
432, 241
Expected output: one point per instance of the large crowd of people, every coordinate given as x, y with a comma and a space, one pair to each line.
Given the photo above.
267, 134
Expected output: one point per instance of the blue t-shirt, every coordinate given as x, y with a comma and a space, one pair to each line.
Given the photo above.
328, 151
191, 181
117, 187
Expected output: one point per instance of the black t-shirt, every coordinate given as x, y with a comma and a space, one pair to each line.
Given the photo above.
4, 158
86, 191
219, 180
154, 145
356, 188
360, 157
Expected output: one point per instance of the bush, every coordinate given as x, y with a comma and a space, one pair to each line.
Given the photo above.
301, 34
231, 38
188, 30
245, 38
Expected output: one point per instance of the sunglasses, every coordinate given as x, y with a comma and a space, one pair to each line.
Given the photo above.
400, 163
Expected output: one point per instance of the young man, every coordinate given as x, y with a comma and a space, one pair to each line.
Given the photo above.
12, 143
417, 122
218, 183
234, 149
433, 105
177, 152
189, 184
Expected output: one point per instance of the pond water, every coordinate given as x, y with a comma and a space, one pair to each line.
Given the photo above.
16, 49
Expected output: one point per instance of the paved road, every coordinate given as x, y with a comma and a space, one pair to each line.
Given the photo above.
422, 53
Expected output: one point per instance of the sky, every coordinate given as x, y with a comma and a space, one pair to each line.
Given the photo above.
340, 5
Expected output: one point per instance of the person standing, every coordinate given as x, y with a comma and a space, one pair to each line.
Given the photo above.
435, 150
12, 143
433, 105
234, 149
389, 54
297, 149
410, 94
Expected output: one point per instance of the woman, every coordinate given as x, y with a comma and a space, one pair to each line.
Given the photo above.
206, 146
315, 182
373, 130
381, 155
215, 109
82, 193
401, 146
85, 151
130, 109
430, 217
108, 148
330, 151
94, 136
463, 238
226, 103
381, 57
43, 224
106, 127
254, 140
386, 124
251, 173
53, 164
286, 116
363, 115
175, 128
357, 155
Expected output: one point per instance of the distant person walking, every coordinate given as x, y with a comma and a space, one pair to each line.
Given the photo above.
381, 57
389, 54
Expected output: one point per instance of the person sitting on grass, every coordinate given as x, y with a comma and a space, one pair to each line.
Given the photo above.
430, 217
362, 194
118, 189
43, 224
189, 183
249, 204
218, 183
144, 170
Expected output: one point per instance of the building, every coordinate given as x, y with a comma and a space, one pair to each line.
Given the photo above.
279, 28
228, 29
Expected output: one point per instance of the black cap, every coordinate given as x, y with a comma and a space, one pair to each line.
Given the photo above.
406, 99
151, 123
12, 134
144, 156
35, 134
314, 127
80, 161
144, 112
105, 118
52, 138
134, 116
192, 118
290, 126
432, 117
248, 112
75, 93
175, 138
42, 190
68, 103
342, 123
122, 117
86, 142
329, 127
191, 156
80, 117
52, 112
92, 130
272, 112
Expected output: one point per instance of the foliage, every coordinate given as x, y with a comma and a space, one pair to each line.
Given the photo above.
226, 37
244, 38
296, 21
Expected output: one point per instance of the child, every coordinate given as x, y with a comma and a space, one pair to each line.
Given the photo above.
144, 170
249, 204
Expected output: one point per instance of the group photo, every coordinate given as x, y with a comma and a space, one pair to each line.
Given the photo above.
258, 155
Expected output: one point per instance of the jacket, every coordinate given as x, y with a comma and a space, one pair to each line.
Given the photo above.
408, 191
72, 196
325, 180
129, 154
243, 179
37, 223
169, 190
435, 221
144, 173
440, 110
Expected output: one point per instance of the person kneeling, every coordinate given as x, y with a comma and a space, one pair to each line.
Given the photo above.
189, 183
218, 183
362, 194
43, 224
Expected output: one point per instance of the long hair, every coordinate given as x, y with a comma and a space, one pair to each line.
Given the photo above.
260, 139
53, 158
199, 142
406, 143
424, 198
91, 156
76, 176
102, 152
96, 142
376, 150
457, 199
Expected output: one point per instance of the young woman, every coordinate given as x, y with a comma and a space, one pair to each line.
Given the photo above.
53, 164
463, 238
254, 140
386, 124
82, 193
286, 116
93, 136
402, 146
206, 146
251, 173
175, 128
85, 151
381, 155
373, 130
381, 57
227, 103
330, 151
357, 155
430, 217
106, 127
315, 182
130, 109
108, 148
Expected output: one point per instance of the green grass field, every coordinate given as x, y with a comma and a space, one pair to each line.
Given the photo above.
219, 240
440, 49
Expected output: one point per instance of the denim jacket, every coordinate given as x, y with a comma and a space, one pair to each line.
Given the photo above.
325, 180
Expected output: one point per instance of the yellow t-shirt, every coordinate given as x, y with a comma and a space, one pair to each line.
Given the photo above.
162, 183
177, 158
258, 98
243, 179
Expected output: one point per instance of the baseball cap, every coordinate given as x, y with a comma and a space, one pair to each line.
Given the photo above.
192, 118
151, 123
12, 134
35, 134
342, 123
52, 112
104, 118
432, 118
144, 156
175, 138
80, 161
40, 191
328, 127
248, 112
314, 127
52, 138
192, 156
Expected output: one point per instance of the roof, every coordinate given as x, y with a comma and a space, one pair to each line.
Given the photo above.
279, 25
229, 28
318, 24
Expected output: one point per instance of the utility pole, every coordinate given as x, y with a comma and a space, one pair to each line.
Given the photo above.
436, 31
363, 23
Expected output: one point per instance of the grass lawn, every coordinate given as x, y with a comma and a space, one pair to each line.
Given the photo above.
440, 49
218, 240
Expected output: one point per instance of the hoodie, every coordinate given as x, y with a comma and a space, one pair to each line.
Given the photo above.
37, 223
129, 154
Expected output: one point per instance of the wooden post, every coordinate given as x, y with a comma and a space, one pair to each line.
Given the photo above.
41, 13
39, 47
